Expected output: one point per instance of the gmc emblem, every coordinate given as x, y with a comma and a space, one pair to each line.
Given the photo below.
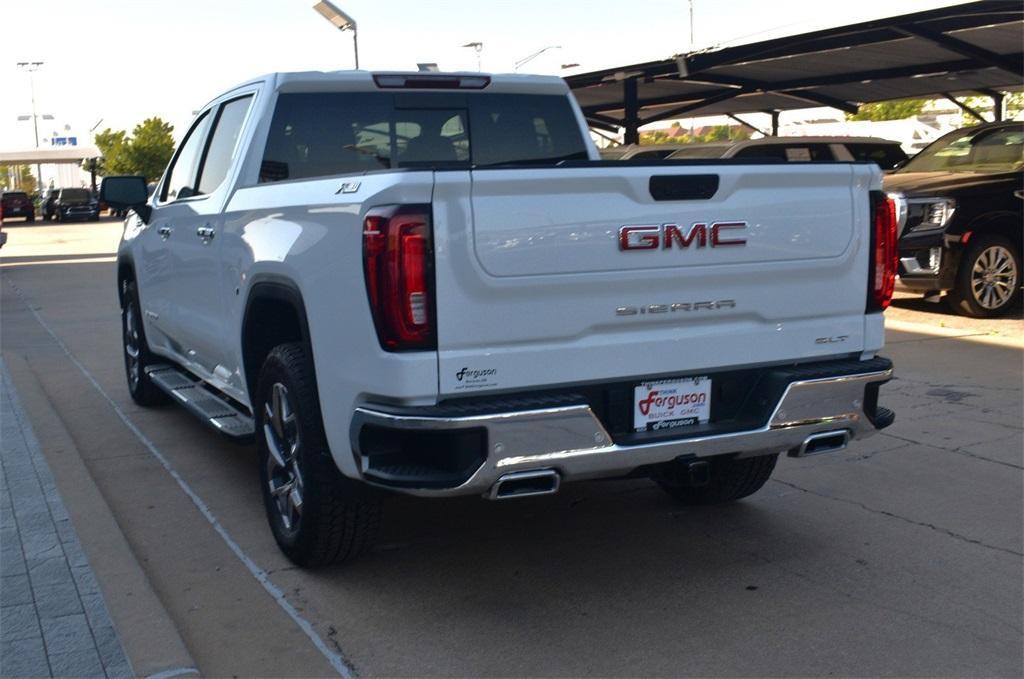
663, 236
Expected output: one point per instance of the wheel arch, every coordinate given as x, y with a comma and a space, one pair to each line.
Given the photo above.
1005, 224
275, 313
125, 273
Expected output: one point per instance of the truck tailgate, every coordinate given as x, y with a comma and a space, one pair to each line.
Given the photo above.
534, 286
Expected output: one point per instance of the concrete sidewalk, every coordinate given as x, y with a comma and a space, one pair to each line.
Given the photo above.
53, 620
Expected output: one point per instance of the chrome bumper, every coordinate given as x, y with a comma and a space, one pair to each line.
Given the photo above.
572, 440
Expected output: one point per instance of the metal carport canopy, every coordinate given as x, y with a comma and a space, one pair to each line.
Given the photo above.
57, 154
968, 49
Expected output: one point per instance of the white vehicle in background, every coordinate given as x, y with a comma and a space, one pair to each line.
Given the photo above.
885, 153
430, 284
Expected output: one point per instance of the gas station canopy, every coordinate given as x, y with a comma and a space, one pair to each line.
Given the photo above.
976, 48
57, 154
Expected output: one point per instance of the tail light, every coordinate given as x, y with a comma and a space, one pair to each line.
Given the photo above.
398, 265
883, 258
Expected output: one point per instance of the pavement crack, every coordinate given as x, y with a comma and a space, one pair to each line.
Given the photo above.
892, 515
959, 451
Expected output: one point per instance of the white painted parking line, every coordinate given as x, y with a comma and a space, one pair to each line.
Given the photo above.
335, 659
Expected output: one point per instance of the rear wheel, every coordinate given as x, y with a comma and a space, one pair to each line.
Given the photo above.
988, 280
318, 516
729, 479
31, 217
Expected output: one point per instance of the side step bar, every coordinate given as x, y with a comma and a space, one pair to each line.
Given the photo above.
209, 407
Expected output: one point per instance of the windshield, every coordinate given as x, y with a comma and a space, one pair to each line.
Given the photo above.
999, 149
74, 194
701, 151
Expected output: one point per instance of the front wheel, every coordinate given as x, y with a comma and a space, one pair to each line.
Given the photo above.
31, 217
136, 351
729, 479
318, 516
988, 280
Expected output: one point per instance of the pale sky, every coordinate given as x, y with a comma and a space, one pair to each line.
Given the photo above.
124, 60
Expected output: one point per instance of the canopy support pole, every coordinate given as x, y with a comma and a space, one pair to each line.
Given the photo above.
964, 107
632, 111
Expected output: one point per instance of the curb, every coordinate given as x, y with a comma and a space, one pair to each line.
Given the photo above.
148, 635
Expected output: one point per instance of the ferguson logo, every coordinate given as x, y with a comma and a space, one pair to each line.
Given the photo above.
665, 236
671, 402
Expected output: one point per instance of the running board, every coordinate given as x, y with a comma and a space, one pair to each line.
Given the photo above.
209, 407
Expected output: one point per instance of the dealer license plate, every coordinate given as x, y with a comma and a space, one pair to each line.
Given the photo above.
667, 404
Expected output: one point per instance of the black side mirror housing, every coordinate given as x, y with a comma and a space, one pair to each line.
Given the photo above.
125, 193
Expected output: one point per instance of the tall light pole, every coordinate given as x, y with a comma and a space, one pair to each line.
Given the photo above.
478, 47
31, 67
525, 60
342, 21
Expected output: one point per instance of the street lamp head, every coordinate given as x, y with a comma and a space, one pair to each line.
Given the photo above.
475, 45
341, 20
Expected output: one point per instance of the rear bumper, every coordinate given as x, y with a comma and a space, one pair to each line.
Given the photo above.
572, 440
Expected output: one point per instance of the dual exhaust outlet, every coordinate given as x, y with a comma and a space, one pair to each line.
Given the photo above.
547, 481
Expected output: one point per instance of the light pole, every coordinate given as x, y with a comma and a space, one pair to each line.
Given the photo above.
342, 21
478, 47
31, 67
536, 54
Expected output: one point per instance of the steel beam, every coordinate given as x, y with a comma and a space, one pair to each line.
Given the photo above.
1010, 64
631, 111
744, 123
693, 106
964, 107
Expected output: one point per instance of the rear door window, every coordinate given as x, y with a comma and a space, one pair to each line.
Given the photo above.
887, 156
223, 143
789, 152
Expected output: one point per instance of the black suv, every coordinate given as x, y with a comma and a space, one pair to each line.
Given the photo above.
76, 204
959, 209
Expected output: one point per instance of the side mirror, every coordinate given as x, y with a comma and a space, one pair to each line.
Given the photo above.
125, 193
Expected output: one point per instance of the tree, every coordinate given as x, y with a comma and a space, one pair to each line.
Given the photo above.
150, 148
112, 146
17, 177
145, 153
889, 110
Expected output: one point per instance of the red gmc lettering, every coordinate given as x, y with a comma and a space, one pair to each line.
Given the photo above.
639, 237
698, 231
664, 236
716, 229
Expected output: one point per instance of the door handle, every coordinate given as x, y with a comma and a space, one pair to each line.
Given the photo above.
165, 232
205, 232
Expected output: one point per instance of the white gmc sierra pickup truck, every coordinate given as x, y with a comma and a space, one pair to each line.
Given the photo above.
430, 284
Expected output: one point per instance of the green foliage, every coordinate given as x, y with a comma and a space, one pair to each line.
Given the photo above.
17, 178
889, 110
150, 148
702, 135
145, 153
112, 145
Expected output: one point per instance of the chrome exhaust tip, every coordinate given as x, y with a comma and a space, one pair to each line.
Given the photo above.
822, 442
525, 484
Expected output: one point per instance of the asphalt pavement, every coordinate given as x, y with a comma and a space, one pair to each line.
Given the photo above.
901, 556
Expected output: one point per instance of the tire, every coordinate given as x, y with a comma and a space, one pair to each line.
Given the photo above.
136, 352
988, 279
317, 515
730, 479
31, 217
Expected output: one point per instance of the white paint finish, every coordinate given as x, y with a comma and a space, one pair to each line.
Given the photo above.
528, 272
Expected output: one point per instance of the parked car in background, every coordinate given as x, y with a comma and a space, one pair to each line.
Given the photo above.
959, 210
76, 204
18, 204
885, 153
640, 152
48, 203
